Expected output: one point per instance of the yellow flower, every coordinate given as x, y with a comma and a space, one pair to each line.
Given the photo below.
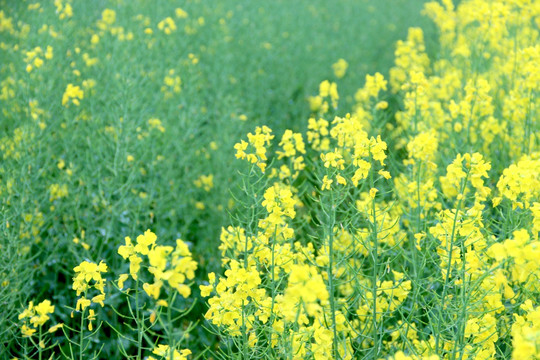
385, 174
91, 317
121, 280
126, 250
340, 68
153, 290
180, 13
55, 328
98, 299
26, 331
73, 93
326, 183
82, 304
144, 242
134, 266
341, 180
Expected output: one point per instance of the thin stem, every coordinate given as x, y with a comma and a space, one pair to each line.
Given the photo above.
330, 229
375, 255
139, 325
449, 267
39, 343
81, 340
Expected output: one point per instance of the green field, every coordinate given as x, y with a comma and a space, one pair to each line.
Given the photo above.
122, 116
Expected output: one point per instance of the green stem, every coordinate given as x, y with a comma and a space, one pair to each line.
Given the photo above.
170, 327
330, 229
140, 326
375, 254
81, 340
39, 343
375, 272
449, 267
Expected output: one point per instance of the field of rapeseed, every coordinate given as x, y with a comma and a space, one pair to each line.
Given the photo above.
270, 180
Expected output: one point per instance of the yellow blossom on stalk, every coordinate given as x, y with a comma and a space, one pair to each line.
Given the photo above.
525, 330
126, 250
520, 182
155, 123
385, 174
172, 84
470, 166
233, 239
317, 134
373, 85
341, 180
326, 183
239, 288
180, 13
36, 316
58, 191
167, 25
88, 275
361, 172
400, 355
291, 143
316, 104
63, 9
153, 290
91, 317
410, 56
205, 181
121, 280
34, 58
206, 290
377, 149
258, 141
326, 89
305, 294
168, 265
55, 328
144, 241
340, 68
73, 93
423, 146
27, 331
165, 352
333, 159
108, 16
381, 105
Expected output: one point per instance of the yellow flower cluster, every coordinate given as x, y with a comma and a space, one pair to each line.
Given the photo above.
520, 183
166, 264
165, 352
34, 57
525, 330
72, 94
167, 25
461, 289
293, 149
37, 316
87, 277
58, 191
319, 103
205, 181
172, 84
340, 68
258, 141
63, 9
